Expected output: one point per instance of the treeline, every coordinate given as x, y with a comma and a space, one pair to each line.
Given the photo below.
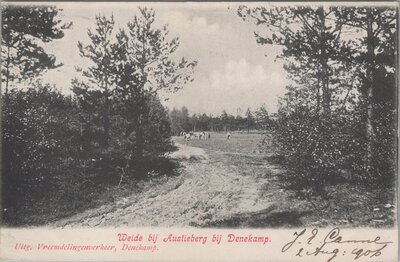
258, 120
113, 129
337, 121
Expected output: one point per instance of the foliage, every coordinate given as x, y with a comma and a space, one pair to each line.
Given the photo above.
22, 29
39, 137
157, 130
312, 158
61, 147
101, 74
129, 69
262, 119
335, 122
179, 120
253, 120
145, 67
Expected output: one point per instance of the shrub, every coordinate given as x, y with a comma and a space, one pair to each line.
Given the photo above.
319, 151
38, 136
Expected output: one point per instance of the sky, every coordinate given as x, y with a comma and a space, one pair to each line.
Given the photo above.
233, 73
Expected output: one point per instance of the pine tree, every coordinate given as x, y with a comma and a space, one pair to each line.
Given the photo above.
145, 68
101, 75
24, 28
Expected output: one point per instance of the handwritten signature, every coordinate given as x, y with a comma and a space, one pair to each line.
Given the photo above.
307, 244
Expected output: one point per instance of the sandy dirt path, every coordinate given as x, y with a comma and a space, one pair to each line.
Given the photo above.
206, 191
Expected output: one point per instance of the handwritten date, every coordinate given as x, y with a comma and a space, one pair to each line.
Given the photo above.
333, 245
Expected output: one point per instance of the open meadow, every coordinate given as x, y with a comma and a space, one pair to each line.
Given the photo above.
244, 143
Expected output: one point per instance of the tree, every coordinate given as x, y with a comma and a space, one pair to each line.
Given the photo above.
312, 48
375, 52
157, 129
249, 120
101, 75
204, 122
22, 30
176, 121
332, 92
262, 118
240, 123
224, 121
315, 58
33, 121
186, 126
145, 67
90, 109
194, 120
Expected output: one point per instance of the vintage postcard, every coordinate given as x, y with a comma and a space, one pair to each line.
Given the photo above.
199, 131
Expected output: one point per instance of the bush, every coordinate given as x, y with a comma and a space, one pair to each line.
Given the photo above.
52, 147
312, 153
38, 136
319, 151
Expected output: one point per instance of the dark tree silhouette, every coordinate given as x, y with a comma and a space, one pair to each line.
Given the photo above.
146, 68
23, 27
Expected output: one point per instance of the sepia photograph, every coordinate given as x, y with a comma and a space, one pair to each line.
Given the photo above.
199, 115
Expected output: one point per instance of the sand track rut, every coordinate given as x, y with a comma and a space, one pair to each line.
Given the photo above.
206, 191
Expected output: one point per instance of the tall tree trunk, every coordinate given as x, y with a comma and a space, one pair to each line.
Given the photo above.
139, 132
106, 119
367, 91
318, 92
106, 122
7, 76
326, 94
141, 105
139, 143
326, 98
106, 116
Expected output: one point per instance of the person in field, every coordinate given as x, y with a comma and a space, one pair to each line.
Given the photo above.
228, 136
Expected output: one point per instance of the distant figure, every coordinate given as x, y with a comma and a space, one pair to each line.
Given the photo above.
186, 136
228, 136
208, 135
204, 135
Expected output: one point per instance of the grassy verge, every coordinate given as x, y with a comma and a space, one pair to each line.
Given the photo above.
79, 192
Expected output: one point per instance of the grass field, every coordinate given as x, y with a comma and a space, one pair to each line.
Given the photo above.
239, 143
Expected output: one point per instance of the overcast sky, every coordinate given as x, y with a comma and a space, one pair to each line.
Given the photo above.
233, 70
